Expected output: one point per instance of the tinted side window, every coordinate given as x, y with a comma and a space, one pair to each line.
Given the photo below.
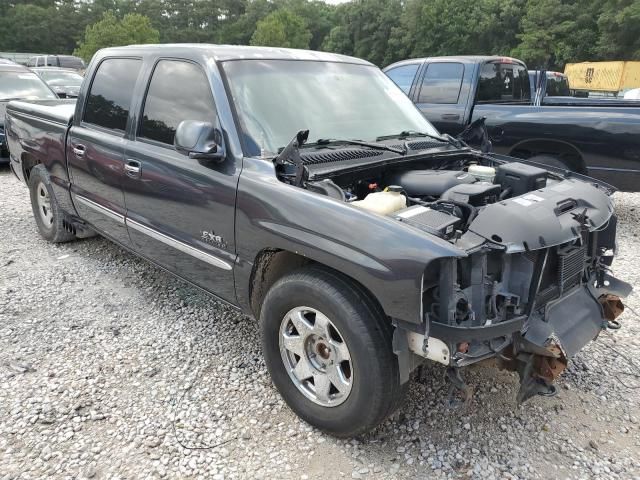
178, 91
503, 82
71, 62
109, 99
51, 61
403, 76
441, 83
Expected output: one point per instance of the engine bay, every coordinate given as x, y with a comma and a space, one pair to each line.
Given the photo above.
441, 201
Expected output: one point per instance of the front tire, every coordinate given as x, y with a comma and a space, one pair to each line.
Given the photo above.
47, 213
327, 346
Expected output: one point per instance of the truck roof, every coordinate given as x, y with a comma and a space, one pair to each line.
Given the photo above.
235, 52
12, 67
459, 58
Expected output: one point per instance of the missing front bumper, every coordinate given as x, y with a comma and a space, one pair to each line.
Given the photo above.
539, 346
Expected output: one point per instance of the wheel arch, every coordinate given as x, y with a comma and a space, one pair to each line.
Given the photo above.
271, 264
565, 151
28, 161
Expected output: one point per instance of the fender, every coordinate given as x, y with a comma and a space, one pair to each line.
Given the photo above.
387, 257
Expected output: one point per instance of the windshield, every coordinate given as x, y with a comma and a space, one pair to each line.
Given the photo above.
23, 85
277, 98
66, 79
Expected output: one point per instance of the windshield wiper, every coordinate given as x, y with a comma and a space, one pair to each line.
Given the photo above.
374, 146
413, 133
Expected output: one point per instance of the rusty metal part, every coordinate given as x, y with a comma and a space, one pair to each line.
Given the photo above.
549, 368
612, 306
463, 347
460, 394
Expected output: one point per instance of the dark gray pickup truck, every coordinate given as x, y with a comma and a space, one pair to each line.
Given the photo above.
307, 190
590, 136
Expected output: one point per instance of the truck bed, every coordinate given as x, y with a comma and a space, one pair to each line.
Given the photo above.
56, 111
43, 127
590, 102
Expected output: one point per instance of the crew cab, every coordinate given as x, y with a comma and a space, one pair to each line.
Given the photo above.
305, 189
601, 139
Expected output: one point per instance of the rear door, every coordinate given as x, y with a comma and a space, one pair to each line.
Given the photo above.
96, 143
180, 211
440, 95
503, 96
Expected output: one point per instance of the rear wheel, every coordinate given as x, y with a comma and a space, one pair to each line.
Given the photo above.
328, 350
46, 211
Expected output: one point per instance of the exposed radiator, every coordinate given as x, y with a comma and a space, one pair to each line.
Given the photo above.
570, 267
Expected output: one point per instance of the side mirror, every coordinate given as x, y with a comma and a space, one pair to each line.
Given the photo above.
201, 140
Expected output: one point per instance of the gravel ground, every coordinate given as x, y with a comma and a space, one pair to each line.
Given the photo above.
111, 368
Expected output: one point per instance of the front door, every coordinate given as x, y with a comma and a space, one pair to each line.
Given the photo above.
438, 96
180, 211
96, 144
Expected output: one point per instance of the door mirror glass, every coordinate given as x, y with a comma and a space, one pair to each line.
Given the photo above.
201, 140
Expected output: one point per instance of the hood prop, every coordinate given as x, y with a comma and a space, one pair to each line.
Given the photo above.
291, 155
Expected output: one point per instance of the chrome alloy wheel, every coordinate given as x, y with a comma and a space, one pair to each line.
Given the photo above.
44, 205
316, 356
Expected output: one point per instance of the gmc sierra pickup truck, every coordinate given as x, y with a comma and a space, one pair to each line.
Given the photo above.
307, 190
590, 136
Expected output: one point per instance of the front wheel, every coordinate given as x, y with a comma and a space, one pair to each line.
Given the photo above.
327, 346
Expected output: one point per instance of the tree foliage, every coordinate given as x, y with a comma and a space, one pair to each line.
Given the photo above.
111, 32
541, 32
282, 28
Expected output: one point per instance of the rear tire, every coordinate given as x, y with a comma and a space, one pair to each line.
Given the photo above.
328, 350
46, 211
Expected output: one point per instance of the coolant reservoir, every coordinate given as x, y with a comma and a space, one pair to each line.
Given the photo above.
384, 203
482, 173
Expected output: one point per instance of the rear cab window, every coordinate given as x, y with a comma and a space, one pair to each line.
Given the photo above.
503, 82
165, 106
403, 76
441, 83
111, 92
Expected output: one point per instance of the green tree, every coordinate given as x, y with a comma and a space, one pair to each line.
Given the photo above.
364, 28
282, 28
554, 32
619, 25
471, 27
110, 32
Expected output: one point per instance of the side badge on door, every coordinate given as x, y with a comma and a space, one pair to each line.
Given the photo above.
212, 239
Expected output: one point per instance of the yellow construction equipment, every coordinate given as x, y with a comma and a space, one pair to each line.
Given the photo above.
603, 76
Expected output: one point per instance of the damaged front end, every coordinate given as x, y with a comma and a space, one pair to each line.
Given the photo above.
532, 291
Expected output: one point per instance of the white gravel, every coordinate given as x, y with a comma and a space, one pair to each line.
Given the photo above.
111, 368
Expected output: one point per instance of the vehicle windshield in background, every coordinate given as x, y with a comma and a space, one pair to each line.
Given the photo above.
63, 79
277, 98
23, 85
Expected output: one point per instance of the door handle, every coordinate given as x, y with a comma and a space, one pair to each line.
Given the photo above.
450, 116
132, 168
79, 150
